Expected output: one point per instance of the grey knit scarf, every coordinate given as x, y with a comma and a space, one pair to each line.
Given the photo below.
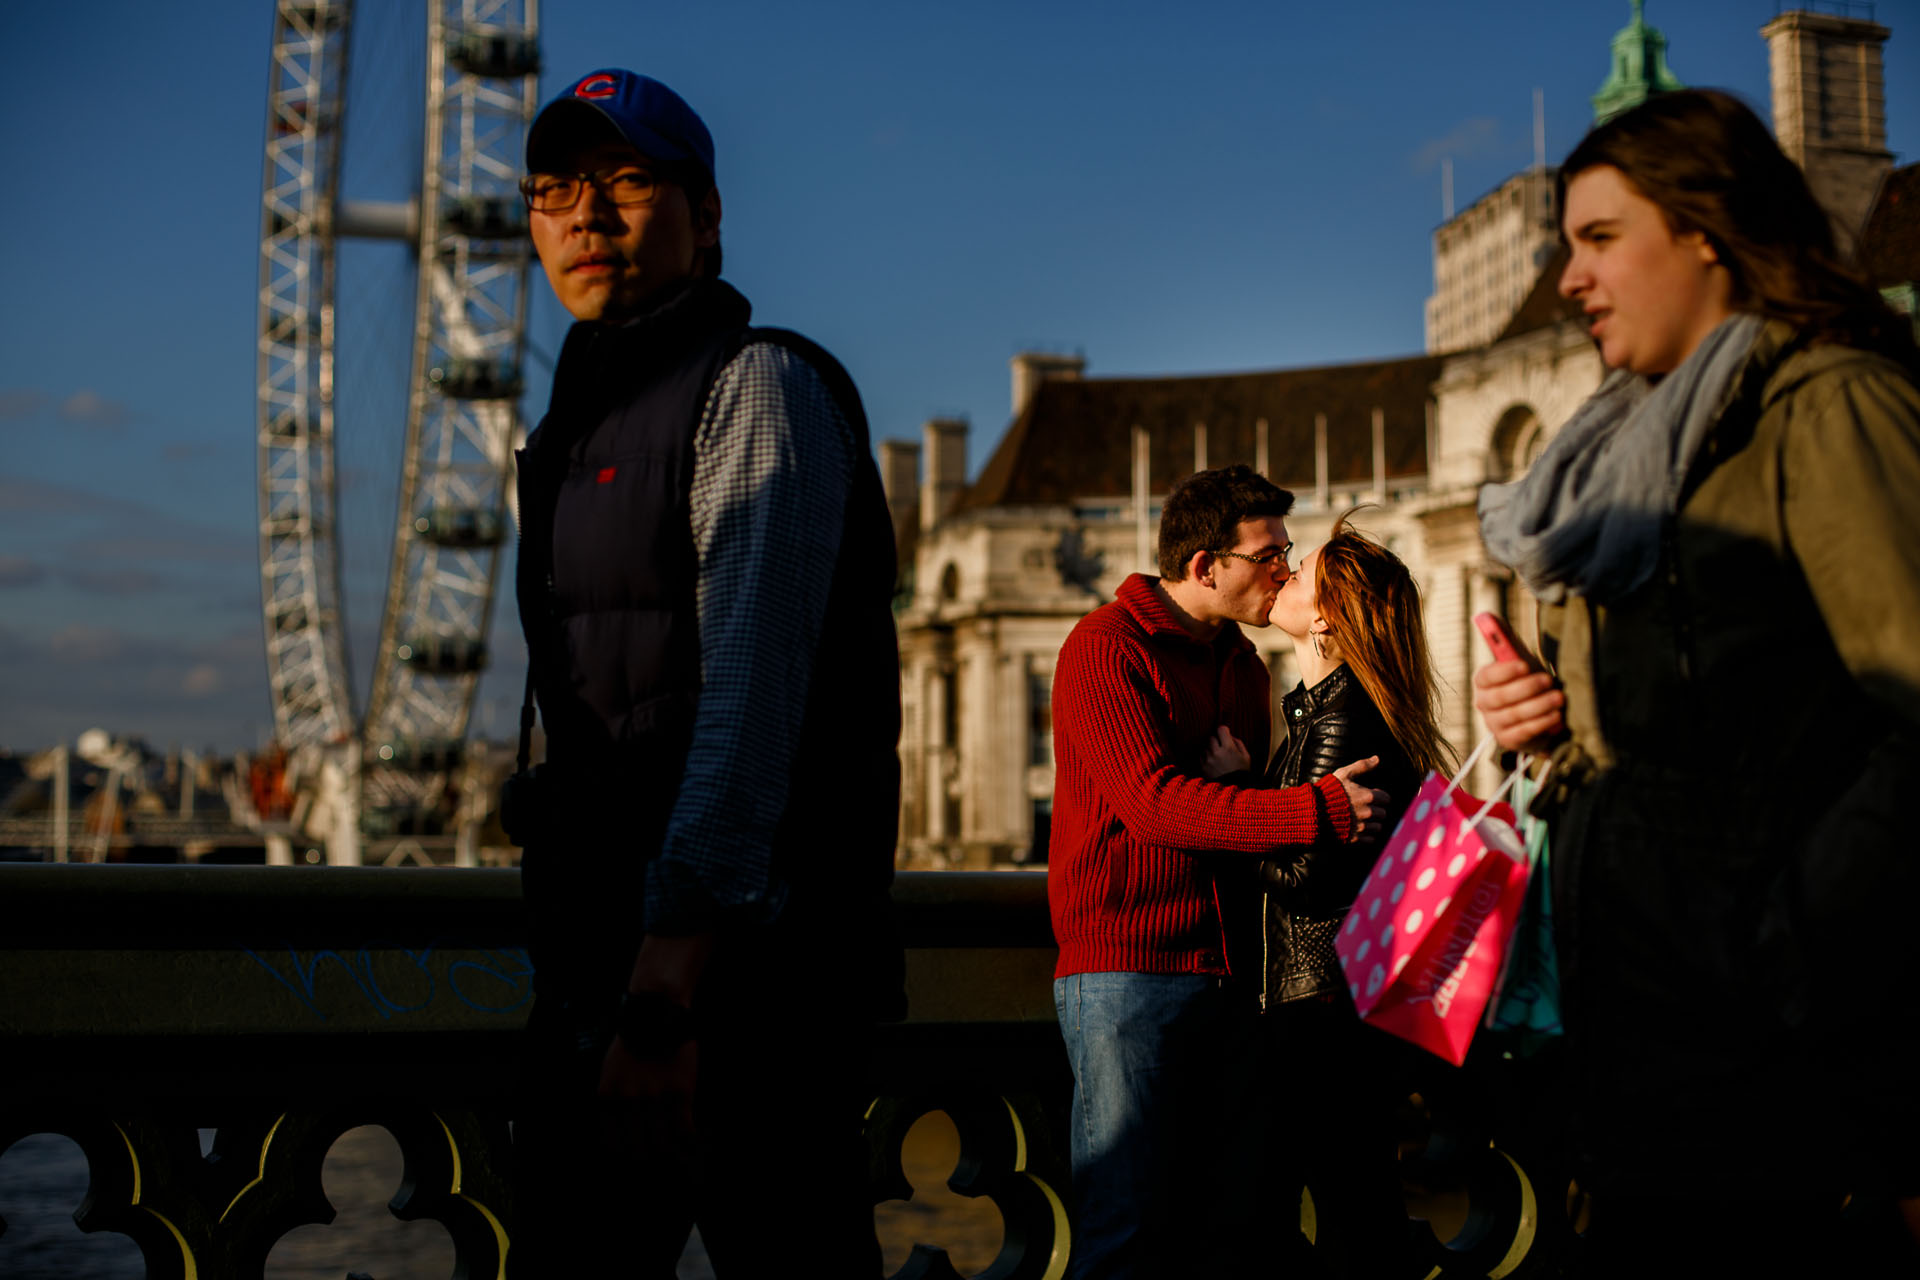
1588, 514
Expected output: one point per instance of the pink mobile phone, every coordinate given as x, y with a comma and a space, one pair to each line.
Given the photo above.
1500, 640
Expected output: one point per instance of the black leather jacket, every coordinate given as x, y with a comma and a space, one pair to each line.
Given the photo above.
1307, 893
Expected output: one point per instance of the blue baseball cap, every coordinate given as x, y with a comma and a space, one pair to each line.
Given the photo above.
654, 119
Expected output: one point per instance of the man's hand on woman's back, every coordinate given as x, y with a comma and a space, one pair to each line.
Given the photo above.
1369, 806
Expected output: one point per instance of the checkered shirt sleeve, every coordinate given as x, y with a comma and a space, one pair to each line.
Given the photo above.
773, 462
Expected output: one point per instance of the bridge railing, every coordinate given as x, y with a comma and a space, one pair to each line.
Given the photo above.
281, 1007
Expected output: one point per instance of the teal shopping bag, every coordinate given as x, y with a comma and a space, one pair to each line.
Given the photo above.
1526, 1003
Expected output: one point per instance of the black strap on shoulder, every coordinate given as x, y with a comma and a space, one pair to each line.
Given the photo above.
524, 756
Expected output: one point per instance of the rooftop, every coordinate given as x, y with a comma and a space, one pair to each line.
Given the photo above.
1073, 440
1890, 246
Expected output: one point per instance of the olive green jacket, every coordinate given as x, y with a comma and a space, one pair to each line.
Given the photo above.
1737, 856
1792, 574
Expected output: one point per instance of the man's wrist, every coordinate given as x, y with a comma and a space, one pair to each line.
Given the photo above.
1333, 805
652, 1024
671, 965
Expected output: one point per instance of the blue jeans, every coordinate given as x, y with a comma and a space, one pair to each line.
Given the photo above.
1162, 1109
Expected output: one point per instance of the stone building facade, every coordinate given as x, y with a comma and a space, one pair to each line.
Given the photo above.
1487, 256
1495, 409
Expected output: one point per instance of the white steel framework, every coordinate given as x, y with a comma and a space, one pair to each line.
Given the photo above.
468, 229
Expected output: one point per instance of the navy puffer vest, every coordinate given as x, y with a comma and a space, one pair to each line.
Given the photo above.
606, 591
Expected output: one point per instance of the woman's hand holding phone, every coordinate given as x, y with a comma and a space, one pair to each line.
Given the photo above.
1520, 702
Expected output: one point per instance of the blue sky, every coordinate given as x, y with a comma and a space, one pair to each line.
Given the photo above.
924, 189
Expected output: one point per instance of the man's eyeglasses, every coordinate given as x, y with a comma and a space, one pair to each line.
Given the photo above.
559, 192
1266, 559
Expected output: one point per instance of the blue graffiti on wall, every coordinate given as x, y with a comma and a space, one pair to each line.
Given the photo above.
495, 980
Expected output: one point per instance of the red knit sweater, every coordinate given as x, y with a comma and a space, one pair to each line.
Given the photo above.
1138, 834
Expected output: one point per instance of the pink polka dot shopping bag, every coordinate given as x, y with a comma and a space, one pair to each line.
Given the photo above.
1423, 945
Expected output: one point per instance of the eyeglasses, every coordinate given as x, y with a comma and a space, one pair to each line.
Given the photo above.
558, 192
1266, 559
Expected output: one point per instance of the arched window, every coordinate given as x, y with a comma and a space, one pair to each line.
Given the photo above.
1517, 440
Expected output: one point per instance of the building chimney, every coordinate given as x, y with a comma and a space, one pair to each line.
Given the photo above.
1379, 454
945, 445
1433, 438
1322, 488
1142, 483
900, 480
1031, 368
1830, 111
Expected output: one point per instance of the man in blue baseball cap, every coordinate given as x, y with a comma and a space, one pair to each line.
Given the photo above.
705, 576
644, 217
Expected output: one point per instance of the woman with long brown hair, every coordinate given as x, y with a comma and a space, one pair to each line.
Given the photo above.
1726, 543
1366, 688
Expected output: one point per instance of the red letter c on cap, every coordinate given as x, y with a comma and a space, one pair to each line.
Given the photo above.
594, 87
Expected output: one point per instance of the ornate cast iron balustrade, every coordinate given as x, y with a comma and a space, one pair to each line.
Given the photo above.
282, 1007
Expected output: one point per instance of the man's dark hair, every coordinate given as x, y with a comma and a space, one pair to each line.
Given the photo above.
695, 182
1204, 511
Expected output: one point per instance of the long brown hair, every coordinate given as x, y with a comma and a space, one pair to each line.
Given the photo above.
1705, 159
1372, 609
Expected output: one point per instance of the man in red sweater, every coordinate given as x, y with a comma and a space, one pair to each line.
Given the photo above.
1144, 876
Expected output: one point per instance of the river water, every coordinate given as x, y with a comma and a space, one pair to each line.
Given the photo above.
43, 1179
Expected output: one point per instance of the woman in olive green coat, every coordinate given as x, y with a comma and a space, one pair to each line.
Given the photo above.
1726, 543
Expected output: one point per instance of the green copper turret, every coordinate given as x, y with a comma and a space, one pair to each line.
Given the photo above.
1639, 69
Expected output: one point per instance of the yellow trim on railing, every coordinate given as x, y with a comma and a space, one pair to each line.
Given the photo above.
1062, 1232
1528, 1229
499, 1234
190, 1269
454, 1148
260, 1177
1019, 1137
133, 1158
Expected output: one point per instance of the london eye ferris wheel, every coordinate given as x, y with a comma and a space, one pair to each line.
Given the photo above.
466, 229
